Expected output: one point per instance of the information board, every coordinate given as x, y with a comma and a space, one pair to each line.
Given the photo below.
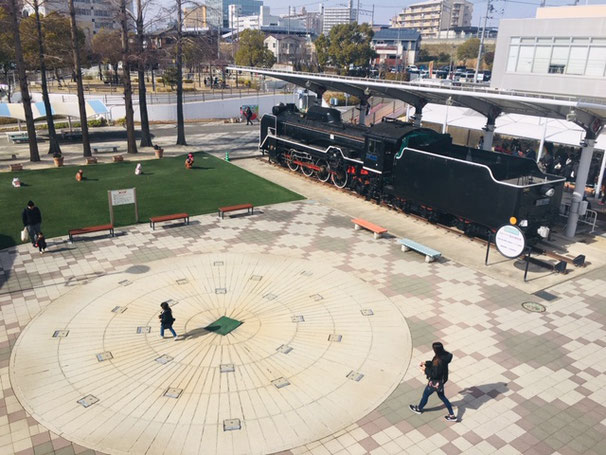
122, 197
510, 241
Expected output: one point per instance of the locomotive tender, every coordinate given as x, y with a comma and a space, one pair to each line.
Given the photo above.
416, 170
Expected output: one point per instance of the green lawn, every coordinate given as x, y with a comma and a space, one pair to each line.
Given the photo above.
165, 187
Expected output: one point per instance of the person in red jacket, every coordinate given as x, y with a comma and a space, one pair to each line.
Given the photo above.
436, 371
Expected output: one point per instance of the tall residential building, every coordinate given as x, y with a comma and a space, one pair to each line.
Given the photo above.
195, 18
312, 20
340, 15
434, 15
217, 11
91, 15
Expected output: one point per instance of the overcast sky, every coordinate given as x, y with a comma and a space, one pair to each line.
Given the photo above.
385, 9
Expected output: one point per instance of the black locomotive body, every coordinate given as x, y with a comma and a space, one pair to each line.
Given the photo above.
415, 169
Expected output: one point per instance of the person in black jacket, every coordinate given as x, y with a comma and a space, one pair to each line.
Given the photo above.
166, 320
32, 219
436, 371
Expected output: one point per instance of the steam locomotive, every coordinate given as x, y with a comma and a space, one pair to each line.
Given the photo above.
415, 169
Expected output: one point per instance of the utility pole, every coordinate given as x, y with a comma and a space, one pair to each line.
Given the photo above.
481, 48
372, 18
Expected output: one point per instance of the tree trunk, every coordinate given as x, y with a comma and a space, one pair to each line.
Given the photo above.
180, 119
128, 90
53, 148
145, 134
78, 73
15, 14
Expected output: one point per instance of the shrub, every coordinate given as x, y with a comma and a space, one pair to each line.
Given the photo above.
340, 97
121, 122
97, 122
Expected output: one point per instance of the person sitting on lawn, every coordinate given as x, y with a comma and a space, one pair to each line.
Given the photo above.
189, 161
79, 175
138, 169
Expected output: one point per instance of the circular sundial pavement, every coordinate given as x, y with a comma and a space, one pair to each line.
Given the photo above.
311, 350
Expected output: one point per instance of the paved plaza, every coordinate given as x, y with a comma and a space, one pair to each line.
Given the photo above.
334, 324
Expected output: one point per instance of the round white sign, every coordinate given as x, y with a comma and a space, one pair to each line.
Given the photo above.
510, 241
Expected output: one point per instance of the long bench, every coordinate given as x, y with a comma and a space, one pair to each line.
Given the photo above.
176, 216
233, 208
75, 133
378, 231
430, 254
105, 149
88, 230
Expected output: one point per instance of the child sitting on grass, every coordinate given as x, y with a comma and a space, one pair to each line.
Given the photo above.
189, 161
41, 243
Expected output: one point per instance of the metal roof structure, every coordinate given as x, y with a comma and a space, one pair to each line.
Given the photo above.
589, 114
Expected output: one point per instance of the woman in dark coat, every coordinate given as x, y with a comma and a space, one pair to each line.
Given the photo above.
436, 371
166, 320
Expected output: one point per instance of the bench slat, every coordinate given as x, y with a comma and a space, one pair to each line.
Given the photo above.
176, 216
89, 229
430, 253
233, 208
377, 230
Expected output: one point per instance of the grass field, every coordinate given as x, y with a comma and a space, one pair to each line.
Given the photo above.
165, 187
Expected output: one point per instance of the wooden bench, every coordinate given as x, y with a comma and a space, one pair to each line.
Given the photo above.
91, 160
105, 149
378, 231
117, 158
15, 167
233, 208
87, 230
15, 137
177, 216
430, 254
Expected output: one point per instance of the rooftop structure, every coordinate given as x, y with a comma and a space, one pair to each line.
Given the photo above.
218, 10
396, 47
337, 16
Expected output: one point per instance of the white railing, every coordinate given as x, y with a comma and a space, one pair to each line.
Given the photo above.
590, 217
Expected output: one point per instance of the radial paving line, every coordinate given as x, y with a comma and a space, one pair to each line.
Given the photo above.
308, 350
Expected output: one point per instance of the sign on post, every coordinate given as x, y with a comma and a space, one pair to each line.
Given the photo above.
510, 241
122, 197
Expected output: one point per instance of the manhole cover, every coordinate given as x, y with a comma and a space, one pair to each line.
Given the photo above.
534, 307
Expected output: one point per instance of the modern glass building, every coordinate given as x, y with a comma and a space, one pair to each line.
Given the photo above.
218, 10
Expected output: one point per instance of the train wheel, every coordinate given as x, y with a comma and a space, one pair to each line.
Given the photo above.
291, 162
339, 178
307, 171
324, 173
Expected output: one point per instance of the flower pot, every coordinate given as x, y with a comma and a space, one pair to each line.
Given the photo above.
159, 153
58, 161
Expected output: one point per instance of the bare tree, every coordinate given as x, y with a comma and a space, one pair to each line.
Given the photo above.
78, 73
53, 148
14, 13
128, 90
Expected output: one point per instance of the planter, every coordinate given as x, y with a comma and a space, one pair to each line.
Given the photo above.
159, 153
58, 161
15, 167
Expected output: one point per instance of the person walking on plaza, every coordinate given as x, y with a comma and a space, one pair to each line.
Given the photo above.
32, 219
248, 115
166, 320
436, 371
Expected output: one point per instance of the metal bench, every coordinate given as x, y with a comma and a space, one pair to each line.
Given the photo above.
15, 137
105, 149
378, 231
87, 230
430, 254
176, 216
71, 134
233, 208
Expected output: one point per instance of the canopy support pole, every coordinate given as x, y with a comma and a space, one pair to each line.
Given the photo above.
542, 144
488, 135
601, 175
69, 122
579, 186
416, 119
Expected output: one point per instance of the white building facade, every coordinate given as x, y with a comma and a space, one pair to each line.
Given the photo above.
431, 16
336, 16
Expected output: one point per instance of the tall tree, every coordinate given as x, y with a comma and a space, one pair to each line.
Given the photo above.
468, 50
54, 148
78, 74
14, 14
145, 133
107, 47
346, 44
252, 50
179, 62
128, 89
7, 50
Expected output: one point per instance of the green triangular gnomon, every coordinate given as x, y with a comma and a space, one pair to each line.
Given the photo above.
223, 325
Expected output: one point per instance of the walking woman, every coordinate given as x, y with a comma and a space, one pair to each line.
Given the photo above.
166, 320
436, 371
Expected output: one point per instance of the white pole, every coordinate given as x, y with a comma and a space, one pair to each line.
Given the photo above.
445, 124
600, 177
579, 186
542, 144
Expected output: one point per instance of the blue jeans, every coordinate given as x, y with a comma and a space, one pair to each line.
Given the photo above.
32, 230
162, 328
428, 391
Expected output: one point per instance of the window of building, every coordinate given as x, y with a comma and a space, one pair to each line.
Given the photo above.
525, 58
596, 61
577, 60
542, 55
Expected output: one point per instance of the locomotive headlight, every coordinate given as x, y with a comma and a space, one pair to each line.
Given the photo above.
543, 231
523, 223
550, 192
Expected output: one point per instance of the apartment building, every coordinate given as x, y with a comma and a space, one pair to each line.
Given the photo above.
396, 47
263, 20
289, 49
217, 11
195, 18
91, 15
431, 16
339, 15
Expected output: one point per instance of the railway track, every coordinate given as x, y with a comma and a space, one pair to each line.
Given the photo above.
537, 251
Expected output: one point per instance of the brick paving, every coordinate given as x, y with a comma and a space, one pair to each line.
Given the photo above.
520, 382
